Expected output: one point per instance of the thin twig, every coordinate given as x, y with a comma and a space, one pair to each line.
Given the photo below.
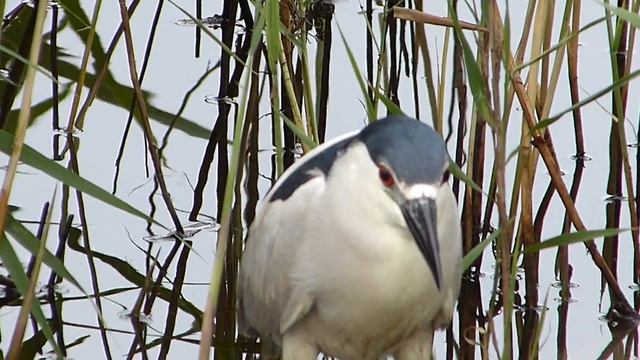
424, 18
152, 148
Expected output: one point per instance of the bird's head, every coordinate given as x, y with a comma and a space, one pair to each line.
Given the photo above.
413, 163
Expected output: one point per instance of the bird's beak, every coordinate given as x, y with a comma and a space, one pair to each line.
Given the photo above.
421, 218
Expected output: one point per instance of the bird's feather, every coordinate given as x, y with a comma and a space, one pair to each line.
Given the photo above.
267, 295
317, 162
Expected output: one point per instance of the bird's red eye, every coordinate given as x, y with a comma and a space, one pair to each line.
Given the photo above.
385, 176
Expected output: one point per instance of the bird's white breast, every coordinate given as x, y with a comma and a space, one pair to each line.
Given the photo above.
360, 263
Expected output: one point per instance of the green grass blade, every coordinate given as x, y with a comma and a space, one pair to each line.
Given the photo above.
371, 113
11, 262
26, 61
392, 107
30, 297
300, 133
27, 240
35, 159
120, 95
80, 24
624, 14
477, 250
128, 272
270, 11
623, 81
476, 81
274, 47
571, 238
457, 172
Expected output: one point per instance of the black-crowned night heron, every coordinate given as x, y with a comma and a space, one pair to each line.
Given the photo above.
356, 251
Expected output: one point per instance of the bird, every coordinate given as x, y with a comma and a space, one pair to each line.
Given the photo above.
356, 251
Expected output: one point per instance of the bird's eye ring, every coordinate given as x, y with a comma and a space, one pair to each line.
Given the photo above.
385, 176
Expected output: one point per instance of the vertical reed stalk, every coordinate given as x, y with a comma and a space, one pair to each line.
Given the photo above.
25, 112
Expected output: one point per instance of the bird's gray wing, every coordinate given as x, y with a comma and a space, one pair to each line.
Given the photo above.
269, 298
